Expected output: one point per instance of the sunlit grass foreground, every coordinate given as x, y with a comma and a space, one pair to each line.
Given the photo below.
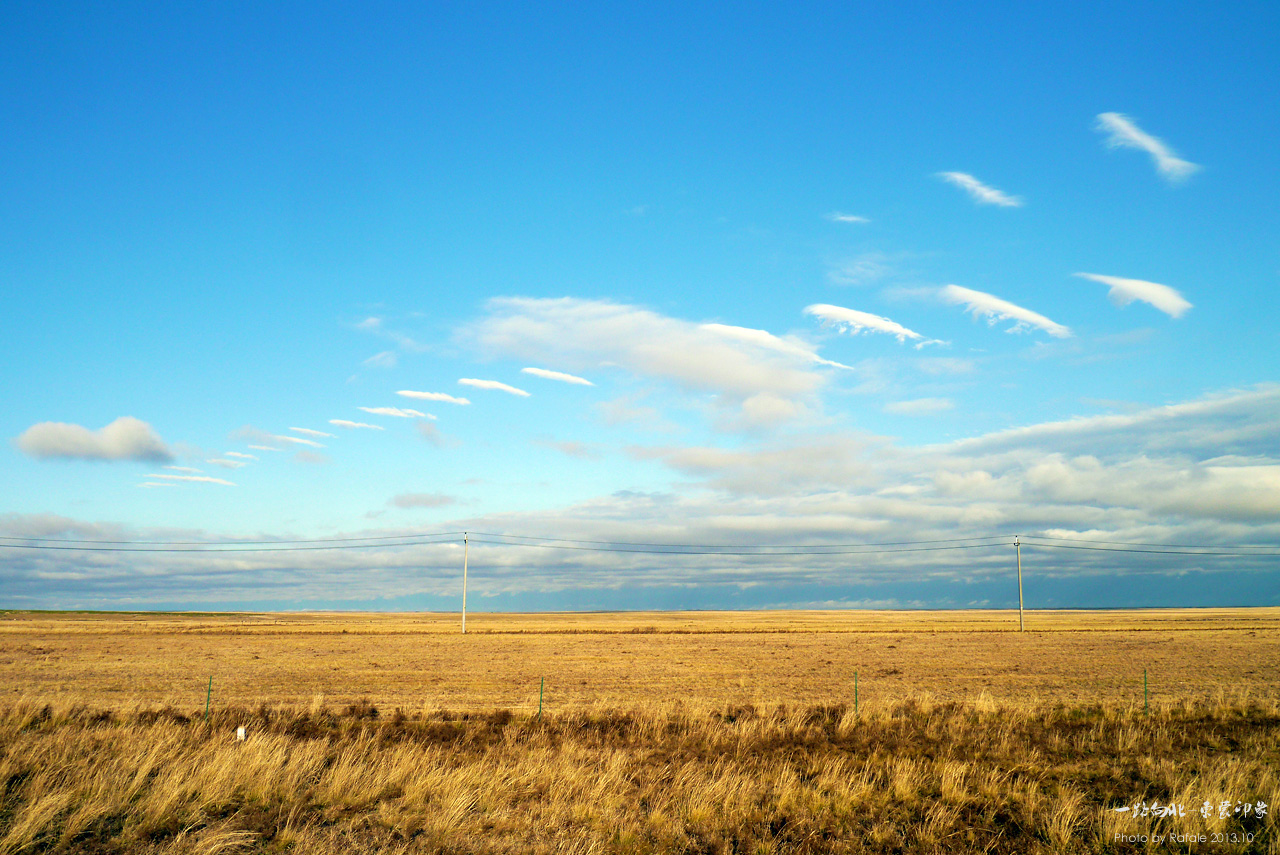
915, 776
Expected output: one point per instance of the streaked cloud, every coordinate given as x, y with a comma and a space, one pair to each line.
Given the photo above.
152, 485
1125, 291
853, 322
312, 457
263, 448
838, 217
126, 438
240, 454
493, 385
769, 341
571, 448
310, 432
188, 469
994, 309
397, 412
919, 407
1122, 132
979, 192
421, 500
343, 423
202, 479
225, 463
433, 396
557, 375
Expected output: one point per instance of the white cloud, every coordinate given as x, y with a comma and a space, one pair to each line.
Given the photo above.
557, 375
981, 193
126, 438
351, 425
919, 407
433, 396
981, 304
936, 366
1123, 133
1125, 291
370, 323
226, 464
152, 484
493, 385
240, 454
853, 322
189, 470
589, 333
434, 435
313, 457
769, 341
204, 479
263, 448
421, 500
397, 412
385, 359
296, 441
310, 432
837, 217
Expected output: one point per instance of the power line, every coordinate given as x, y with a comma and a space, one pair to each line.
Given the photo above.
738, 546
222, 548
728, 551
1168, 545
1149, 551
59, 540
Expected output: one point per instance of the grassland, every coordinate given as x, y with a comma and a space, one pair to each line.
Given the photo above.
660, 732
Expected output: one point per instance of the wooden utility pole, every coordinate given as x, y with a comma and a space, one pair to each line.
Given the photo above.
464, 583
1018, 545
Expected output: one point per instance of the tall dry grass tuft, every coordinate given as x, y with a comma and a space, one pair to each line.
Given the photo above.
918, 775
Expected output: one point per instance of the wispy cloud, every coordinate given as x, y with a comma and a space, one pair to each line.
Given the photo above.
837, 217
126, 438
312, 457
421, 500
1123, 133
240, 454
493, 385
152, 484
571, 448
225, 463
557, 375
434, 435
753, 386
919, 407
188, 469
397, 412
343, 423
385, 359
1125, 291
853, 322
981, 193
203, 479
253, 434
769, 341
310, 432
433, 396
994, 309
860, 270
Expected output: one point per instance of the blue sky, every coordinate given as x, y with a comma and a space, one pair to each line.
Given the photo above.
831, 275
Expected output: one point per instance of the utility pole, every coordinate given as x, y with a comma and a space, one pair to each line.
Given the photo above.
465, 583
1018, 545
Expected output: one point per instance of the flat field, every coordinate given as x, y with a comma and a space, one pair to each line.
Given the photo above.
422, 661
661, 733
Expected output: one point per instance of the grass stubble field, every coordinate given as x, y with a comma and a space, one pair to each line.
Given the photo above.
662, 732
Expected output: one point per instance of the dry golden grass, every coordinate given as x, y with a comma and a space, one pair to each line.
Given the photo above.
114, 661
915, 776
662, 732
